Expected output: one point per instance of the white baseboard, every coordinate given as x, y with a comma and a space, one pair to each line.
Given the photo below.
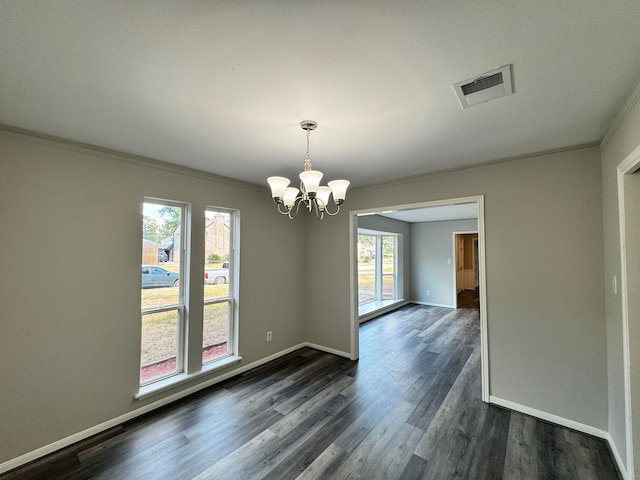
89, 432
114, 422
564, 422
429, 304
616, 455
322, 348
549, 417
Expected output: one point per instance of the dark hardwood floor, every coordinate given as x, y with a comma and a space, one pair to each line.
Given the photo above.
410, 408
468, 299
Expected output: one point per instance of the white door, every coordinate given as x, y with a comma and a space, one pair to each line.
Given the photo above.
459, 263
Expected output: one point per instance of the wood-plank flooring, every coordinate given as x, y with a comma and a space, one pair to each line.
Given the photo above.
410, 408
468, 299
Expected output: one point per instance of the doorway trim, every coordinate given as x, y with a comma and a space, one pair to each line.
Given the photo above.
353, 280
630, 165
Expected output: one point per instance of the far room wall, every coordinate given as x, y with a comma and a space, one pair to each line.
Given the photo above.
433, 257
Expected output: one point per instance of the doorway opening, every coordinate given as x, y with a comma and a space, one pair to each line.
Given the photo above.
426, 286
467, 270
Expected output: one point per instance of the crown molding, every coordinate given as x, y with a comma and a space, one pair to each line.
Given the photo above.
453, 171
125, 157
621, 116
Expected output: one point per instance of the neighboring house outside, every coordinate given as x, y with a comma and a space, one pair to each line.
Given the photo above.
150, 251
217, 236
171, 245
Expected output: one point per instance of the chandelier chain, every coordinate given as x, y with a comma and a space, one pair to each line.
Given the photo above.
307, 159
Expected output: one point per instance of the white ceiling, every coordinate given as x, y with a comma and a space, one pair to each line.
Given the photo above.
438, 213
222, 86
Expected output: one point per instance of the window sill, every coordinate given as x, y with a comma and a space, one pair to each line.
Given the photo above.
371, 310
176, 380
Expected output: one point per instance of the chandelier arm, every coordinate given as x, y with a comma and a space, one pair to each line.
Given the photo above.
334, 213
296, 205
286, 212
325, 207
318, 211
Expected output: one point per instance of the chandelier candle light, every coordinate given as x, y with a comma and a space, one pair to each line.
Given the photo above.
314, 196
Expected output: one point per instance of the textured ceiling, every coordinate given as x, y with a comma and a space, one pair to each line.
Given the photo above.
222, 86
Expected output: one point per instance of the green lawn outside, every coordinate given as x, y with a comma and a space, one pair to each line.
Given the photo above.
366, 282
159, 330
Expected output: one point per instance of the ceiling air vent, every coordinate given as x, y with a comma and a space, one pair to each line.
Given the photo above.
488, 86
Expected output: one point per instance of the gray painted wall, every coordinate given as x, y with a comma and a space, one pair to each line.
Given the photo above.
625, 139
69, 296
67, 349
432, 246
545, 287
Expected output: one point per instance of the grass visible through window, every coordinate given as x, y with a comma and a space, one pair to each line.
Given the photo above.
159, 329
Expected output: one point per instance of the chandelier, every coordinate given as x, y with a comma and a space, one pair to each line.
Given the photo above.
311, 194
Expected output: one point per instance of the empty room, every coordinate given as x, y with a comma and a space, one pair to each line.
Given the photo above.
324, 240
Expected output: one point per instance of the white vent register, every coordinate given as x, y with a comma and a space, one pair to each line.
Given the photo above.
488, 86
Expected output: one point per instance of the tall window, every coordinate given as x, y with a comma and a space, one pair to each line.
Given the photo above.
218, 286
167, 332
388, 267
162, 295
366, 269
377, 267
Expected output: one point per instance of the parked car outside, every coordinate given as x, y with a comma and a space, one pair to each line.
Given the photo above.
217, 276
162, 256
154, 276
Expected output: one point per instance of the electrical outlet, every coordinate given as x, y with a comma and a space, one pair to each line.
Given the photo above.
428, 292
269, 336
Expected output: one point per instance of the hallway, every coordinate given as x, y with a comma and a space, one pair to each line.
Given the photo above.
468, 299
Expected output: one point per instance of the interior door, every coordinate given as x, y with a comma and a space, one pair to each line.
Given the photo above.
459, 263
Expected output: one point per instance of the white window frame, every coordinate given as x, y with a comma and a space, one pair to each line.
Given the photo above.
379, 268
180, 339
194, 369
230, 299
179, 308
